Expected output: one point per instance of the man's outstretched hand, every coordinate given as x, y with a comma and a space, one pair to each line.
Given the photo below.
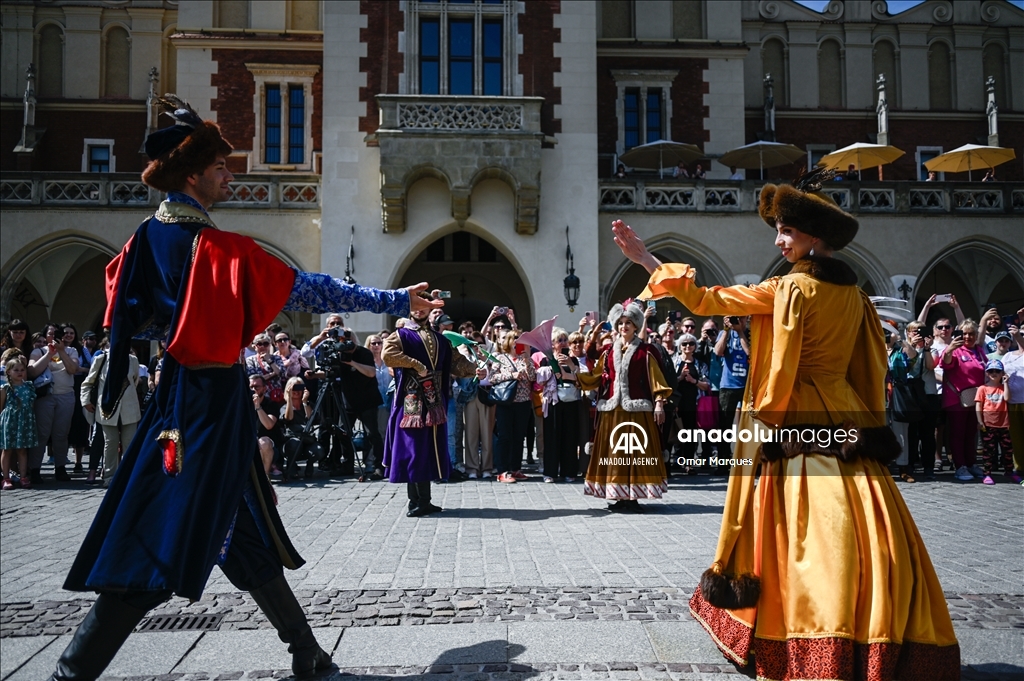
418, 303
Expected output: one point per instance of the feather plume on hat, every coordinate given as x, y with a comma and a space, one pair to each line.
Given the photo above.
805, 207
189, 146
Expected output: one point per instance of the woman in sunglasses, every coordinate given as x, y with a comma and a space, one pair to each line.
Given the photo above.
293, 362
268, 364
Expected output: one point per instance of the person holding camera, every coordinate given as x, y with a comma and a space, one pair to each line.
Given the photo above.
55, 402
267, 432
299, 440
732, 350
417, 435
963, 371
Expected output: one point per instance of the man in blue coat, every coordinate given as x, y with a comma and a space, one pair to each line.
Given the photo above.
190, 491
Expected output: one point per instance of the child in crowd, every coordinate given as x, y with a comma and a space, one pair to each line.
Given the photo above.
17, 421
993, 420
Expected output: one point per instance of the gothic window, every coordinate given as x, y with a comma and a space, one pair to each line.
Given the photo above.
687, 19
117, 63
616, 18
50, 81
231, 13
830, 80
304, 15
994, 64
884, 62
773, 60
940, 90
462, 48
643, 107
283, 103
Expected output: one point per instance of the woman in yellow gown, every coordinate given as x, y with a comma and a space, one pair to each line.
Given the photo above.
820, 571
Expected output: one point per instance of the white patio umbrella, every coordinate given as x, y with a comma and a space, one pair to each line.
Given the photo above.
656, 154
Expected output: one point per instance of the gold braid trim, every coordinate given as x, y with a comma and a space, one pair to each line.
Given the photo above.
179, 448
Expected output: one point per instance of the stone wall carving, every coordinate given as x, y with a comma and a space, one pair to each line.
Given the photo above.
461, 141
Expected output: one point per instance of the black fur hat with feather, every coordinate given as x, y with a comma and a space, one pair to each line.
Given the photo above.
189, 146
805, 207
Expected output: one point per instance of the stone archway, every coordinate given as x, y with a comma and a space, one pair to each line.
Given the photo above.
978, 272
478, 274
61, 280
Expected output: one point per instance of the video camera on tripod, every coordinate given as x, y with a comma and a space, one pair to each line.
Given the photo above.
334, 352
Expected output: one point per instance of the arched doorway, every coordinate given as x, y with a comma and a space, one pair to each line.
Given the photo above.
630, 279
61, 281
478, 275
979, 274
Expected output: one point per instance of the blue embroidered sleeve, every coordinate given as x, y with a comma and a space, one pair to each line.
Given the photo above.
319, 293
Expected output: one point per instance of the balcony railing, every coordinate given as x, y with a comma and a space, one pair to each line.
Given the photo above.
125, 190
721, 196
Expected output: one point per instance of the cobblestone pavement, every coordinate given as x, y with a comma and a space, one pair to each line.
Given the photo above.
519, 554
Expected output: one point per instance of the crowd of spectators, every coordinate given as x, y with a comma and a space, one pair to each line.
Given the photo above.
955, 394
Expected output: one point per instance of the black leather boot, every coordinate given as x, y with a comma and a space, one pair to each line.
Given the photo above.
97, 639
278, 603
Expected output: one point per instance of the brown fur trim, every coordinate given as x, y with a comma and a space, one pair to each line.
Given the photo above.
194, 155
765, 204
879, 444
813, 214
731, 593
824, 269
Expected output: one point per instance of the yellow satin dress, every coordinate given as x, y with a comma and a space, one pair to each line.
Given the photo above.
847, 588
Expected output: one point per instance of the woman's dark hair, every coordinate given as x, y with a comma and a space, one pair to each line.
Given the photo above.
8, 341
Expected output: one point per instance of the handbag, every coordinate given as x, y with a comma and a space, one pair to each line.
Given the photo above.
483, 393
707, 412
568, 392
504, 392
967, 396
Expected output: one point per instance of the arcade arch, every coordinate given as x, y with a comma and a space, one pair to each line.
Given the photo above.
978, 272
57, 279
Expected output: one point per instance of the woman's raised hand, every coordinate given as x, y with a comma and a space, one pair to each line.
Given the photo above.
632, 246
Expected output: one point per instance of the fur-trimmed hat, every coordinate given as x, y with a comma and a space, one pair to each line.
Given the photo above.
808, 209
631, 311
189, 146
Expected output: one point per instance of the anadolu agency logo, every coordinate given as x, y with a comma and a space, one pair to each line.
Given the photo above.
628, 442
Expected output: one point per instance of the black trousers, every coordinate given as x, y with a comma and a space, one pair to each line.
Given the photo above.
373, 449
512, 422
419, 494
728, 400
562, 440
921, 435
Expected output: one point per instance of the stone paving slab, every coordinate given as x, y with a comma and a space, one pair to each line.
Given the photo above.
423, 646
683, 640
218, 652
41, 665
152, 653
581, 642
14, 652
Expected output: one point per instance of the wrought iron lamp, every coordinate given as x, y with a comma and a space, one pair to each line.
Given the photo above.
571, 281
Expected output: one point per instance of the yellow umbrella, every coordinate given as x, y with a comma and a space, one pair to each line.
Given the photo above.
968, 157
861, 155
762, 155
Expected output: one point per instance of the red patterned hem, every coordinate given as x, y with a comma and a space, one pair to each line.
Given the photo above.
731, 636
834, 658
